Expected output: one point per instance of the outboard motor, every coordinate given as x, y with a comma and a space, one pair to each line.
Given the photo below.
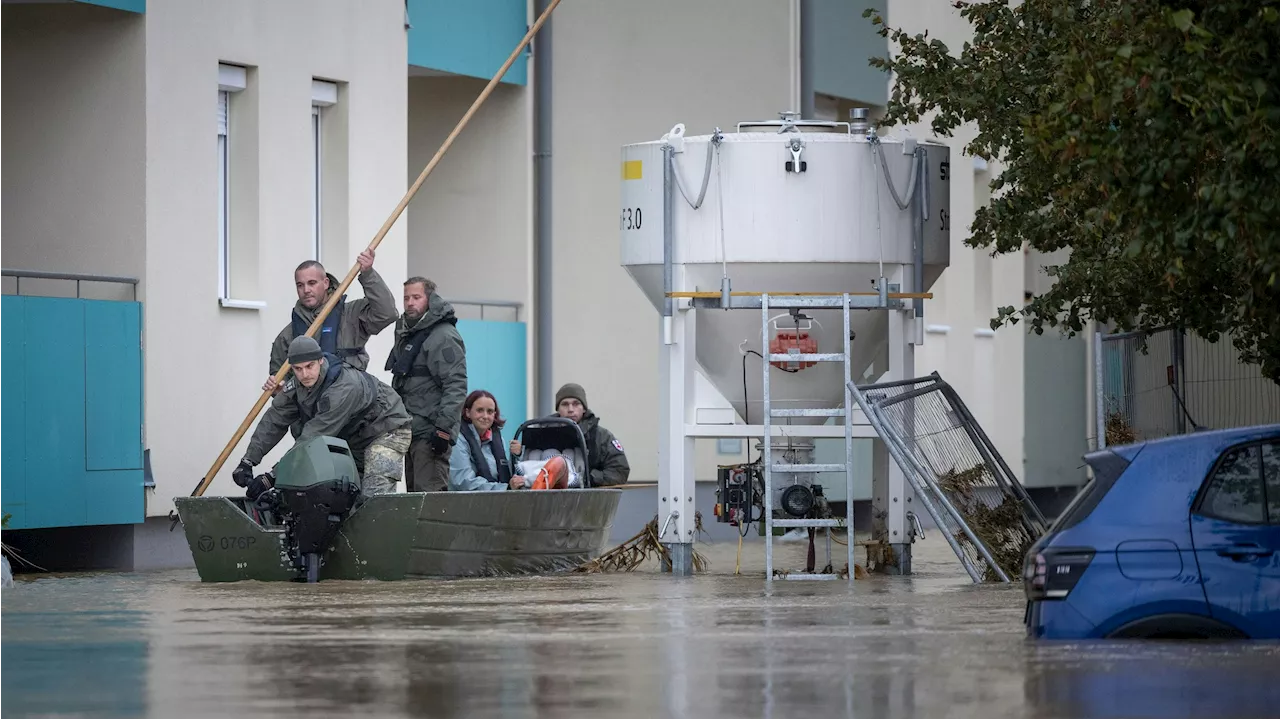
315, 487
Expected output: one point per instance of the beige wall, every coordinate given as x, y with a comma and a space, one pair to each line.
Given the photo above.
470, 227
74, 143
627, 72
204, 363
986, 369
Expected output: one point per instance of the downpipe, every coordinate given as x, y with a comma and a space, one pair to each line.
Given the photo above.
920, 216
542, 237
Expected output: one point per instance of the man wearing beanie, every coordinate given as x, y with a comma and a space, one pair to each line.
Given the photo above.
605, 459
325, 397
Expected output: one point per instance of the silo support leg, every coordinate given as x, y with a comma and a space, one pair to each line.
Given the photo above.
892, 496
675, 448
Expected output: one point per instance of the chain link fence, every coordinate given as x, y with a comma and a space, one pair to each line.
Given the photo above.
1179, 384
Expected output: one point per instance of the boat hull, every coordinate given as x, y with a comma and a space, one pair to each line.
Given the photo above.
412, 536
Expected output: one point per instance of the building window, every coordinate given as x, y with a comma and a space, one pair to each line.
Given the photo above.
317, 182
323, 95
231, 80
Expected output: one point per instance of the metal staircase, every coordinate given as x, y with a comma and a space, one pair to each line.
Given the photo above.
843, 303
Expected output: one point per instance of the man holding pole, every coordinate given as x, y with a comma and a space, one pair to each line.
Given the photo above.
348, 327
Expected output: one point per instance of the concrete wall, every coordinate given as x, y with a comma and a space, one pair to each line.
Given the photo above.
985, 367
470, 227
205, 362
74, 131
1058, 424
1055, 410
845, 42
627, 72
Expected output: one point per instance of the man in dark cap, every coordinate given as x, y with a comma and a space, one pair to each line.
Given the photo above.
325, 397
606, 461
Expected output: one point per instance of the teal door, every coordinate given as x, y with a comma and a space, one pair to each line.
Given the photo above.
72, 412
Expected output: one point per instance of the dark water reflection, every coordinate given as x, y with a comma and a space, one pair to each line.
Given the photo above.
639, 645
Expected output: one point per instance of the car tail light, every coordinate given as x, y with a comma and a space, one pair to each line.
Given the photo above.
1052, 574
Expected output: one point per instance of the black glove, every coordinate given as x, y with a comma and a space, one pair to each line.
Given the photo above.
439, 441
258, 485
243, 473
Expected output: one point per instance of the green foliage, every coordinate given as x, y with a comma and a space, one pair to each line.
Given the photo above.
1140, 134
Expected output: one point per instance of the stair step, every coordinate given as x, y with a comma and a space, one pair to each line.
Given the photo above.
837, 412
837, 357
808, 522
802, 468
810, 577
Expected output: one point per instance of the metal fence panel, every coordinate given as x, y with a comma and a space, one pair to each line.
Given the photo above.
1171, 382
1223, 392
988, 510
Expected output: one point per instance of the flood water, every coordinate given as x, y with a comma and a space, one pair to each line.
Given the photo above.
633, 645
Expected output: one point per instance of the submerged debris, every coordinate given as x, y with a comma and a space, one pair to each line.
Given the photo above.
859, 572
8, 553
999, 527
631, 554
1118, 430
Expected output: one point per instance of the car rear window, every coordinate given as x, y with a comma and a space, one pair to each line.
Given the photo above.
1236, 493
1107, 467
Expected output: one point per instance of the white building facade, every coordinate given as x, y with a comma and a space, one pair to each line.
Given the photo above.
205, 149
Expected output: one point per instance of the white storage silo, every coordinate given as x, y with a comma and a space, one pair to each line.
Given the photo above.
784, 207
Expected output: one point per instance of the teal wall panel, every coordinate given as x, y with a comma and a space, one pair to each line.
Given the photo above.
13, 386
54, 466
113, 496
72, 405
496, 361
113, 384
138, 6
468, 37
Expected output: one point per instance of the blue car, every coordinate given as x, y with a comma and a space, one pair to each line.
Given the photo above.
1172, 538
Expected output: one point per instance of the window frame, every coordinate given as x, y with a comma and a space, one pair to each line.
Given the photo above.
324, 94
232, 79
317, 184
1198, 508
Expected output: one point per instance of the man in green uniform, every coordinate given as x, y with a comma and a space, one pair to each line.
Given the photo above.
428, 366
605, 459
325, 397
348, 327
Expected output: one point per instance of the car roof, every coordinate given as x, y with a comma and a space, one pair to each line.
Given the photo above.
1169, 473
1233, 435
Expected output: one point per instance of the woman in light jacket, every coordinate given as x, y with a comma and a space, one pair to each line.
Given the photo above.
479, 461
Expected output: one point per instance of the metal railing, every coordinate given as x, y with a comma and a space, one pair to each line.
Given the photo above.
19, 275
1171, 382
510, 304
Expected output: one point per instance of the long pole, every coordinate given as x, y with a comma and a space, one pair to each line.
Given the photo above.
377, 240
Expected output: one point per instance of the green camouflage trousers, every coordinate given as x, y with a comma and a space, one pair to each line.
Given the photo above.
382, 463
